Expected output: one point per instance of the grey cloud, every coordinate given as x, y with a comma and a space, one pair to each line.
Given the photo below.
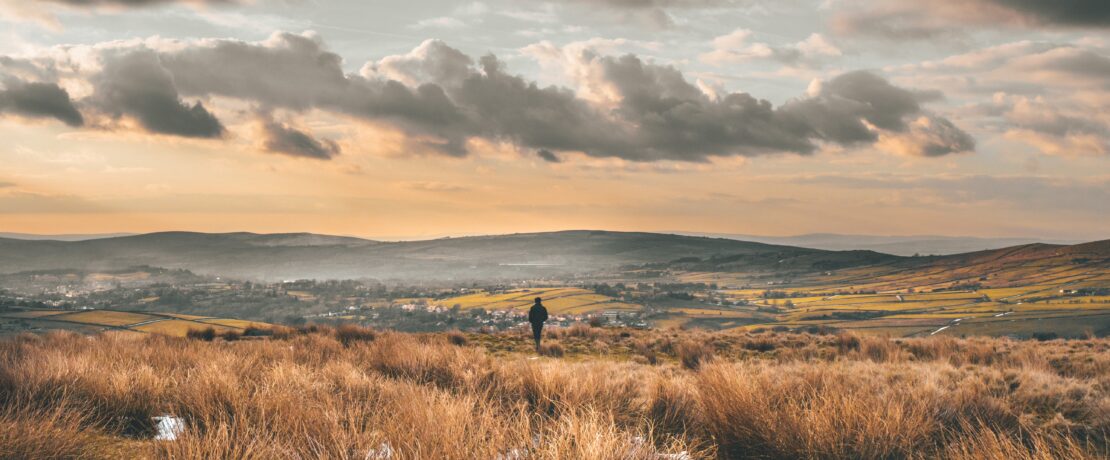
300, 74
136, 84
1086, 64
42, 100
870, 97
942, 138
443, 98
1094, 13
548, 156
846, 105
947, 19
283, 139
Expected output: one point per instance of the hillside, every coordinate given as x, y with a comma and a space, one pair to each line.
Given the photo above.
290, 256
896, 245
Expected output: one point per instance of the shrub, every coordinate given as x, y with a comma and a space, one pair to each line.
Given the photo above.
760, 344
693, 354
349, 334
552, 349
207, 334
456, 338
847, 342
254, 331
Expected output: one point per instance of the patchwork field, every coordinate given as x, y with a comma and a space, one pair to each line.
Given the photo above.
16, 320
560, 301
1022, 291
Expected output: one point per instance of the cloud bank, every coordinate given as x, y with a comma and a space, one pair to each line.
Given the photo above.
443, 98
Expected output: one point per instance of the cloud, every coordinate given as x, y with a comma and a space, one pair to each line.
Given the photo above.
944, 19
652, 13
136, 84
1020, 192
1050, 129
442, 22
1092, 13
860, 107
39, 100
737, 47
442, 99
928, 136
45, 12
433, 186
283, 139
1047, 95
548, 156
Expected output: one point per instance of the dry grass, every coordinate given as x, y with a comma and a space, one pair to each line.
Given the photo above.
355, 393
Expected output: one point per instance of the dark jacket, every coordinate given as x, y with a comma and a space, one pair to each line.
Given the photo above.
538, 314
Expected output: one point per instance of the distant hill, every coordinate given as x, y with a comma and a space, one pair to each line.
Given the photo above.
896, 245
302, 255
65, 237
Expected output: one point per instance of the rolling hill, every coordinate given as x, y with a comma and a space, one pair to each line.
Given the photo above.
294, 256
897, 245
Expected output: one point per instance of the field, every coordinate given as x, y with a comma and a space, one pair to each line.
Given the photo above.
595, 393
103, 320
1020, 291
559, 301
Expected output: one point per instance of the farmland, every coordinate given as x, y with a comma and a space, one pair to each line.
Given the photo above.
567, 300
15, 320
1024, 291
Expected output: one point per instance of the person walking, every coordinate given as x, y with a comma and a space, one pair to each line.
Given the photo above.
537, 315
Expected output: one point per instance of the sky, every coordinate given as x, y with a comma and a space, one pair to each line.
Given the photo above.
418, 119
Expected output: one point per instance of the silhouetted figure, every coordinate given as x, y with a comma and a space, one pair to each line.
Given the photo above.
537, 315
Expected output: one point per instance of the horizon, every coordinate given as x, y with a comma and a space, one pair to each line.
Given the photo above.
395, 238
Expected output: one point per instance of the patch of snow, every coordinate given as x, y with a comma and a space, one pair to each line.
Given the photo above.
383, 452
169, 427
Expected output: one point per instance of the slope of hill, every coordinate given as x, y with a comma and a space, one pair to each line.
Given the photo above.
288, 256
1024, 291
896, 245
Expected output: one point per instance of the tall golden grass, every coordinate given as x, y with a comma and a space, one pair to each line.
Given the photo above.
354, 393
